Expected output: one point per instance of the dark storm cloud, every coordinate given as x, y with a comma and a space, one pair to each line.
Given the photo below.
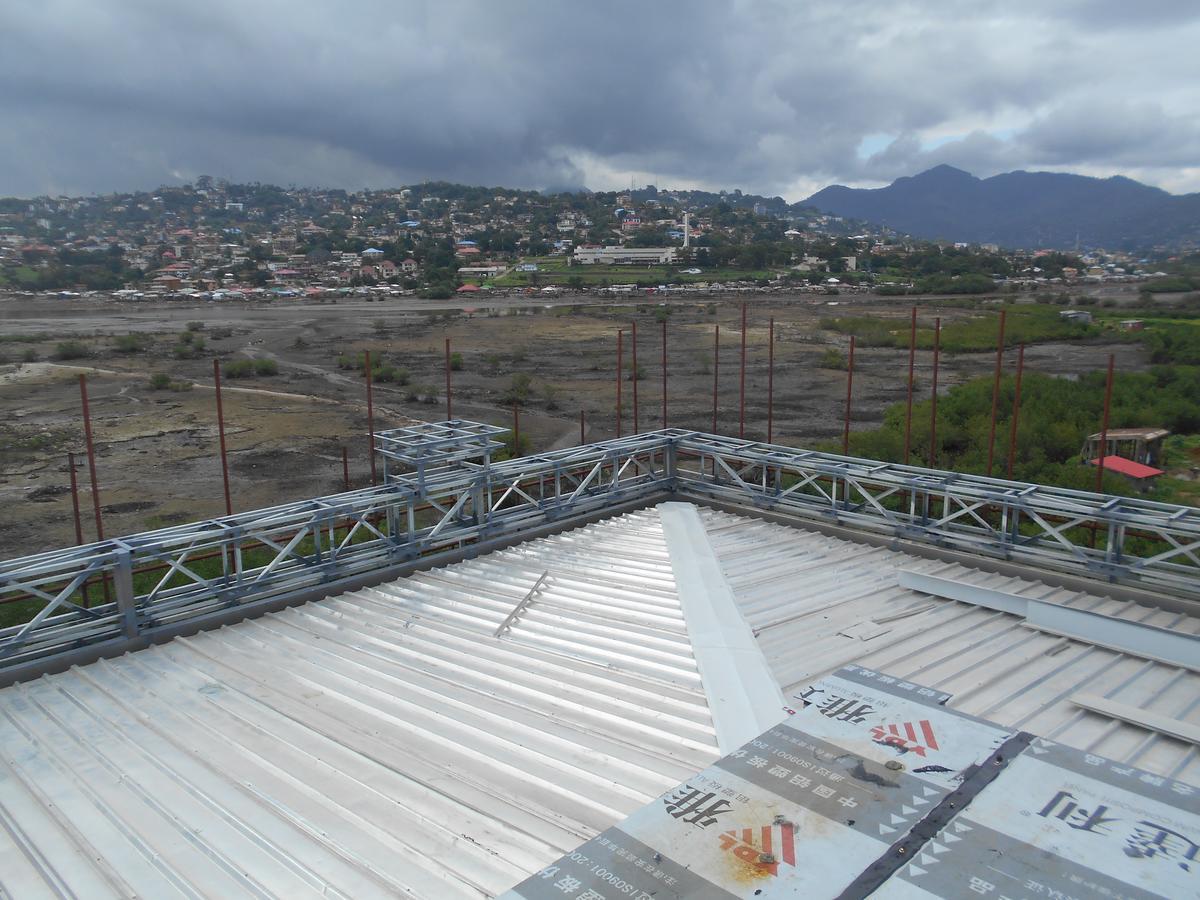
769, 96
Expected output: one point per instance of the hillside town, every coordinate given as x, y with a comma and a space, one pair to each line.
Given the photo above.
220, 241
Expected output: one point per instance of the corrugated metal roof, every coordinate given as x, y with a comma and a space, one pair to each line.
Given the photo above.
377, 743
386, 741
801, 590
1129, 467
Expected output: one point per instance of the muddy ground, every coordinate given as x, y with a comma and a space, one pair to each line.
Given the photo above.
157, 459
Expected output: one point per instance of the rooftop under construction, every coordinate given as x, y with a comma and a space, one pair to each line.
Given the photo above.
441, 685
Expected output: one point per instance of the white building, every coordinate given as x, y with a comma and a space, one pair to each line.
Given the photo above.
624, 256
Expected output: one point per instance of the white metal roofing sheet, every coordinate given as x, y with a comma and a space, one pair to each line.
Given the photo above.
378, 743
385, 741
802, 592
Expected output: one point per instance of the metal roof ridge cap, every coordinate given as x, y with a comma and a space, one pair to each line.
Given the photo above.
1127, 636
744, 698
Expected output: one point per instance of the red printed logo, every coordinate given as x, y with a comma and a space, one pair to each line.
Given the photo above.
918, 738
765, 846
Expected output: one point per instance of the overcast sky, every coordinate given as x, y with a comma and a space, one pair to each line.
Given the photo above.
772, 97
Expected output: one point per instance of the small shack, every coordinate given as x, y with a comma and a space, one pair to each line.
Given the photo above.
1142, 445
1076, 316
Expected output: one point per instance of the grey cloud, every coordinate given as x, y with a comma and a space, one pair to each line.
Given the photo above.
758, 95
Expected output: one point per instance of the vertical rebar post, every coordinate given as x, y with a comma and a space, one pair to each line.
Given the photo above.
937, 348
370, 416
716, 370
996, 392
912, 358
633, 350
664, 368
771, 381
345, 469
221, 437
75, 499
582, 429
449, 402
77, 518
620, 364
1108, 385
742, 387
91, 452
849, 396
1016, 413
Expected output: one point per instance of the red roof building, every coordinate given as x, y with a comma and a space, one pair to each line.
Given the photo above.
1128, 467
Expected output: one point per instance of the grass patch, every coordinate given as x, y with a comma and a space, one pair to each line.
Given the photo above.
1024, 325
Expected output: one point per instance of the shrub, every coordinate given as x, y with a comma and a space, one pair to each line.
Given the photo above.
185, 351
833, 358
266, 367
456, 362
391, 374
71, 350
160, 381
30, 355
519, 389
195, 326
131, 343
240, 368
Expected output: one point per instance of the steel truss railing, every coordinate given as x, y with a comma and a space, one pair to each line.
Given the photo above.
1118, 539
171, 575
301, 545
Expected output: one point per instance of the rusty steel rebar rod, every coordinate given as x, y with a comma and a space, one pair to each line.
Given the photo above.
937, 348
620, 364
742, 388
449, 406
664, 368
91, 452
716, 370
345, 469
221, 437
1016, 413
516, 429
1108, 386
991, 454
75, 499
78, 521
582, 429
849, 396
771, 380
912, 359
633, 351
370, 416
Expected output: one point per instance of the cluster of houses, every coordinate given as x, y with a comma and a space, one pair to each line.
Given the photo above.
226, 240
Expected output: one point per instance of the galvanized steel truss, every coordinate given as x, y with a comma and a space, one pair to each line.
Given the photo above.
456, 495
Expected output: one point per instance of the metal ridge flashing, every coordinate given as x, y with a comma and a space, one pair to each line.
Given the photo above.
1124, 635
743, 696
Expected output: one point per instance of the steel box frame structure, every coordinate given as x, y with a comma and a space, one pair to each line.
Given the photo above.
456, 496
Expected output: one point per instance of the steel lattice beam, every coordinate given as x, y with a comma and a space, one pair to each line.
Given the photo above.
451, 494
